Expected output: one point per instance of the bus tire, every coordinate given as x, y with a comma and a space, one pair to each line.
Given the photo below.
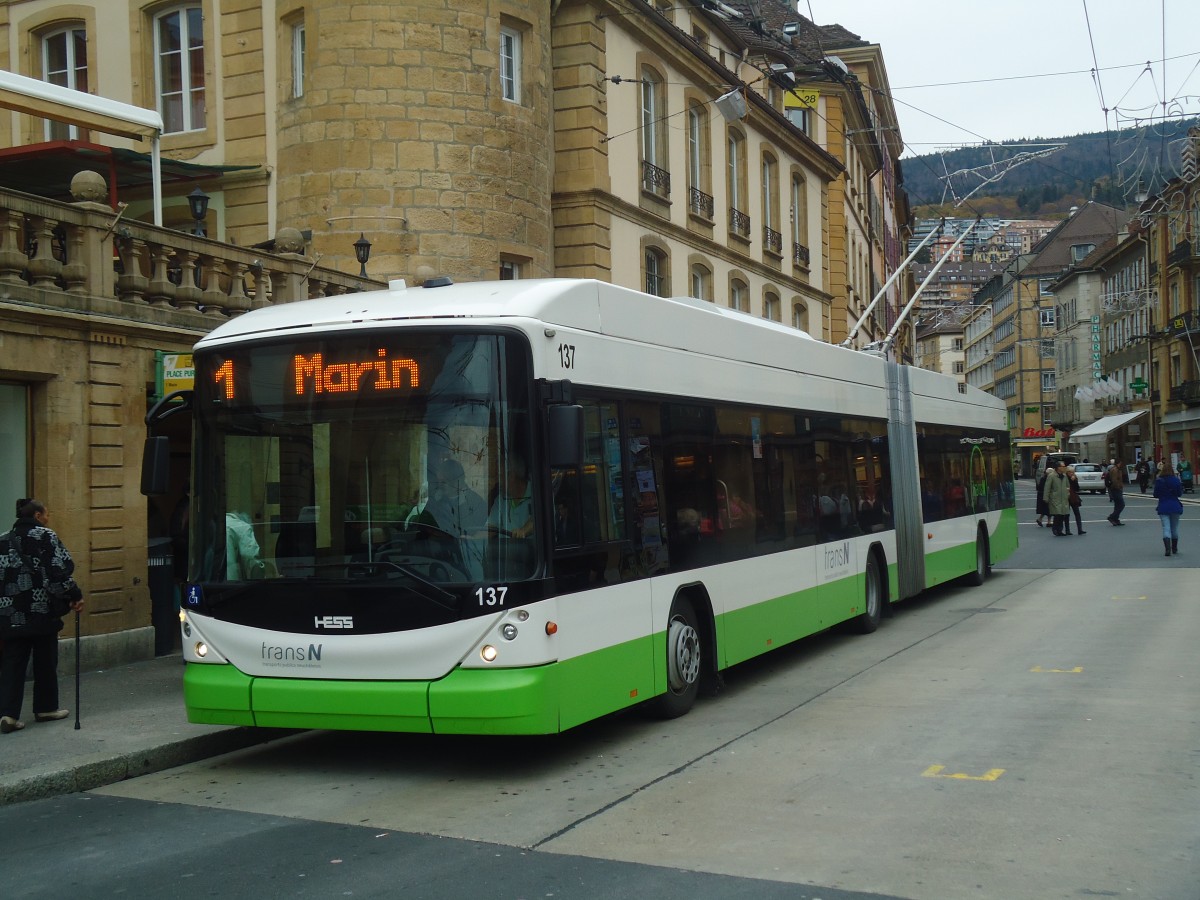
982, 567
873, 598
684, 661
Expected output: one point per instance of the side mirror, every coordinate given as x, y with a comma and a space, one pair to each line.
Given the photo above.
565, 436
156, 465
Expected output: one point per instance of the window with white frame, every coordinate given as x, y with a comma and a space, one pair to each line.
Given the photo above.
299, 47
656, 272
799, 211
510, 64
64, 62
179, 68
1049, 383
800, 316
699, 191
770, 192
654, 133
510, 270
739, 296
701, 287
1046, 316
771, 306
736, 174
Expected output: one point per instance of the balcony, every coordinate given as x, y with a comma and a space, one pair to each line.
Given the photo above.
773, 241
700, 203
801, 255
655, 180
1187, 392
1181, 256
739, 223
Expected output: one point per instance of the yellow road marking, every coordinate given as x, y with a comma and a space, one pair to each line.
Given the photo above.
1131, 598
936, 772
1074, 671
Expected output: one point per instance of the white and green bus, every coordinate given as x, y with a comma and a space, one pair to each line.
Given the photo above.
513, 507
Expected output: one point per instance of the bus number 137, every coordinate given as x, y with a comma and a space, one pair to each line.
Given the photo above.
491, 596
566, 355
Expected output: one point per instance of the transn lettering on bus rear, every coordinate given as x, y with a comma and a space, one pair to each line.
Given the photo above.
341, 378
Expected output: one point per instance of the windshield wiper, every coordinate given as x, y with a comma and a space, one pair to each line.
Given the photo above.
436, 594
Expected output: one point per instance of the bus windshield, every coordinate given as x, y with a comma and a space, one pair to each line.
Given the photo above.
398, 453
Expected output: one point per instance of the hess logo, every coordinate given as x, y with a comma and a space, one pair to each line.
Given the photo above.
334, 621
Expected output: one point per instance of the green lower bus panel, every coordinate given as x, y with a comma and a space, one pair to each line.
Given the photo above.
217, 695
496, 701
342, 705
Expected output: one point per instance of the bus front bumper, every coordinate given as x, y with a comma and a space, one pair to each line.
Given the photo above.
467, 701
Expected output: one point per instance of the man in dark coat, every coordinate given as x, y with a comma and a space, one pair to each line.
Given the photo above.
36, 591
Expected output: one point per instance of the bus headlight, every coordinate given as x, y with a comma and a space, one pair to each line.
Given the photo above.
509, 631
489, 653
201, 649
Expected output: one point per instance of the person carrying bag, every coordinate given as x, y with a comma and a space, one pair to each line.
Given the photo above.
36, 591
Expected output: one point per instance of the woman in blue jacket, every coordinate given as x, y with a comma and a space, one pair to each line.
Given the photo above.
1168, 489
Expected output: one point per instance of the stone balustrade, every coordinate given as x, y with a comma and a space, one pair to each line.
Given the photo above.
87, 258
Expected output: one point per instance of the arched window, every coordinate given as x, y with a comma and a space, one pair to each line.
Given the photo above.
655, 175
700, 199
656, 272
735, 183
771, 306
701, 287
739, 296
800, 251
800, 316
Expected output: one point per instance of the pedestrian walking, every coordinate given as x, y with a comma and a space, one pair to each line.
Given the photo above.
1185, 476
1042, 511
1115, 479
1168, 489
1142, 470
1057, 496
38, 590
1074, 499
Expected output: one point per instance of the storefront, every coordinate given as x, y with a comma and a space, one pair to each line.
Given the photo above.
1119, 436
1029, 448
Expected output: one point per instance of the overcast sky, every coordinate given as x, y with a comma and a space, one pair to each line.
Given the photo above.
928, 42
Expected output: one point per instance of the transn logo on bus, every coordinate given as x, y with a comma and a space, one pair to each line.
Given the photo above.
334, 621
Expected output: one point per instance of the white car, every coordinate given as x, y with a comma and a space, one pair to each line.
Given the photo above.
1090, 477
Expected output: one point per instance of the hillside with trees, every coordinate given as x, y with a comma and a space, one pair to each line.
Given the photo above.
1104, 166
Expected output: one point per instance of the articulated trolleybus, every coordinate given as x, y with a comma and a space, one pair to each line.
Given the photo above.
513, 507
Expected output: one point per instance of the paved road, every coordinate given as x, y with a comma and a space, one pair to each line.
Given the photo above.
1138, 544
1032, 738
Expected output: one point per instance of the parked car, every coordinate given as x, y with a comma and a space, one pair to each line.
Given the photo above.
1090, 477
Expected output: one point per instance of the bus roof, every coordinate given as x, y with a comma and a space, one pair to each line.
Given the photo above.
683, 323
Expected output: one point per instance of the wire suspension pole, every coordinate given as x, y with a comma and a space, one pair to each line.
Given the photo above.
891, 280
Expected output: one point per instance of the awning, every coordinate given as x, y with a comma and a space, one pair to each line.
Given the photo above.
46, 169
52, 101
1101, 427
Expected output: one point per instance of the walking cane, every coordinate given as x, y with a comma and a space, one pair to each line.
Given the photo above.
76, 670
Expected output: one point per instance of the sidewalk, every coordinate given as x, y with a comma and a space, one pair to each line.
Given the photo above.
132, 723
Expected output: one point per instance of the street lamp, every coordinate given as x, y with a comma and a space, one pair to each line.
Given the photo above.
362, 252
198, 205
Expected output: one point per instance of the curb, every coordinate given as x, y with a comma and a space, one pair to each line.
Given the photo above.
98, 773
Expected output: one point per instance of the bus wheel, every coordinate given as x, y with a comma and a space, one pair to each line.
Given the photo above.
684, 653
868, 620
980, 572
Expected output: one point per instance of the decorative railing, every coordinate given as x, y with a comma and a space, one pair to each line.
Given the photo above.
656, 180
772, 240
739, 222
1186, 391
1181, 255
801, 255
700, 203
86, 250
